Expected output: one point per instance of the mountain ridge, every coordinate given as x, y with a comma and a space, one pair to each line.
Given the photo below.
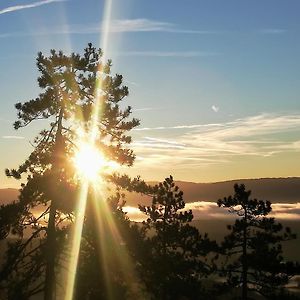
276, 190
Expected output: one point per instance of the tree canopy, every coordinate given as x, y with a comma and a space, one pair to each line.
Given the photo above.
80, 98
253, 246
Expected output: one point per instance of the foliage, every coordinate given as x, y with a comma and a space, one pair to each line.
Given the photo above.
72, 87
253, 246
176, 256
106, 266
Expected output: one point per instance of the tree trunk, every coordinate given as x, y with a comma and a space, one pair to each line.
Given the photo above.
50, 280
244, 260
51, 254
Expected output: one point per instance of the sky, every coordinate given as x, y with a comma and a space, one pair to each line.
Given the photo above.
215, 83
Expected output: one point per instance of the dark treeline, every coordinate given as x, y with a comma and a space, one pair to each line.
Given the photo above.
165, 257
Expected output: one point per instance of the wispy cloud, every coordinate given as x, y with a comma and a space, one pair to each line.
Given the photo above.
123, 26
206, 144
146, 108
272, 31
260, 124
115, 26
129, 82
146, 25
158, 143
192, 126
13, 137
139, 25
27, 6
183, 54
136, 25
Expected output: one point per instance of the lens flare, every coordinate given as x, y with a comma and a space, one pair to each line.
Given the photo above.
75, 240
90, 163
76, 236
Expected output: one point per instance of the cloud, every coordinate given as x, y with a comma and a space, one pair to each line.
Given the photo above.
286, 210
215, 108
272, 31
168, 142
145, 109
253, 125
138, 25
115, 26
134, 214
159, 143
210, 210
13, 137
27, 6
259, 125
199, 145
182, 54
294, 145
193, 126
124, 26
131, 82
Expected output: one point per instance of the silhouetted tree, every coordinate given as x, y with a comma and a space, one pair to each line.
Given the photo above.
253, 246
72, 86
107, 263
176, 257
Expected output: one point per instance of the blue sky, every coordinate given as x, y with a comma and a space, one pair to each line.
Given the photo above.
215, 83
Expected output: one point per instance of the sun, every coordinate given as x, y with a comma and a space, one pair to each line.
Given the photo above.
89, 162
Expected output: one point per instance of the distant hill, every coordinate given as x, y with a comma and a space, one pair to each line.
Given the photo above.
276, 190
281, 190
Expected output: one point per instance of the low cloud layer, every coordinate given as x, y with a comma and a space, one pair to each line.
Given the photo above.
210, 210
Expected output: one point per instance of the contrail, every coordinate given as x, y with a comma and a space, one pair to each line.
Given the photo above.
26, 6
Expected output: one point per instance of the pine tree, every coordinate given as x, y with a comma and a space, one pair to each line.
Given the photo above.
107, 264
72, 86
176, 256
253, 246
